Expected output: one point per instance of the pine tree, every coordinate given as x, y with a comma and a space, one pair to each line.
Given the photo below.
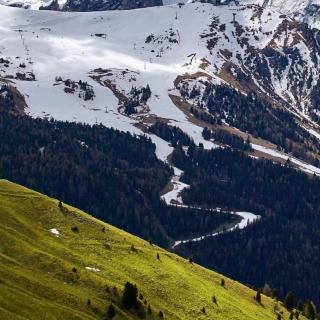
300, 305
129, 298
248, 142
310, 310
111, 311
206, 133
289, 301
258, 296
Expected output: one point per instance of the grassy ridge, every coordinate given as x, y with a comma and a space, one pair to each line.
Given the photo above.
44, 276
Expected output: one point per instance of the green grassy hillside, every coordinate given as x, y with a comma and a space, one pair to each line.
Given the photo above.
47, 276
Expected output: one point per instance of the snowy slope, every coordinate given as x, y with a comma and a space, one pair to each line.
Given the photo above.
52, 45
304, 10
43, 51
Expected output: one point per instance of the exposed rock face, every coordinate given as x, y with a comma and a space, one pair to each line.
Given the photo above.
100, 5
303, 10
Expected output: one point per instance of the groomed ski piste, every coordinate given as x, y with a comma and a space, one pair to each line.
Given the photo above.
114, 47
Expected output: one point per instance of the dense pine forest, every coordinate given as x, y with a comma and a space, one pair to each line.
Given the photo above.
282, 248
250, 113
111, 174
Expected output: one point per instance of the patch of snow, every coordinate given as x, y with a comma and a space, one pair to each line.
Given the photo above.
313, 132
247, 218
92, 269
173, 197
55, 232
308, 168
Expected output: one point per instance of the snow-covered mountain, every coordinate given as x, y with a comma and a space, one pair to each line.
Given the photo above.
126, 71
304, 10
87, 5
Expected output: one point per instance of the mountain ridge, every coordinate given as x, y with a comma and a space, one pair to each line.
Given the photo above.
304, 10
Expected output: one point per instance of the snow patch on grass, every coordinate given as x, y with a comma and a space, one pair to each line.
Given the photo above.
55, 231
92, 269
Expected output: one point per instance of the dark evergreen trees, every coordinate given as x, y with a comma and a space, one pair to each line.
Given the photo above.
310, 310
227, 138
272, 249
250, 113
171, 134
258, 296
129, 298
289, 301
111, 311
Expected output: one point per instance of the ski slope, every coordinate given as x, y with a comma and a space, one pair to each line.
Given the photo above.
114, 51
53, 44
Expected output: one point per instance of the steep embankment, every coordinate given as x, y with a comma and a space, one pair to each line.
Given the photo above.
54, 259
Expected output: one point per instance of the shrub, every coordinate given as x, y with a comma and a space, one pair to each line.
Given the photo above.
111, 311
75, 229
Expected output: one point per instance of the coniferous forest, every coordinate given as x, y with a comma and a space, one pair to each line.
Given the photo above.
111, 174
255, 115
117, 178
282, 248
